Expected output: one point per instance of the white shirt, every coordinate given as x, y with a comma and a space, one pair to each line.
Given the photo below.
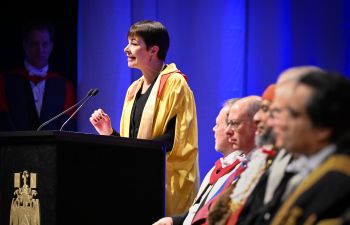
303, 166
212, 189
276, 173
38, 90
250, 176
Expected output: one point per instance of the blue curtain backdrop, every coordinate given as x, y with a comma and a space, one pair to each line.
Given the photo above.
227, 48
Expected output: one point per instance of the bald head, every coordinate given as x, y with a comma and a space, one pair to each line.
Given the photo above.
289, 77
295, 73
241, 128
284, 92
249, 105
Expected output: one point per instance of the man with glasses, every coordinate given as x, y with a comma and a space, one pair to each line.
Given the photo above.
240, 125
260, 161
226, 168
240, 131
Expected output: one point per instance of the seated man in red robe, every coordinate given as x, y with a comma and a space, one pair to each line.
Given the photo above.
234, 146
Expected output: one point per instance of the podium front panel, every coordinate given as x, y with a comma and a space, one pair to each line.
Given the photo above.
83, 178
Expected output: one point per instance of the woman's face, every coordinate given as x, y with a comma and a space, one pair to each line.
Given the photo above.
136, 51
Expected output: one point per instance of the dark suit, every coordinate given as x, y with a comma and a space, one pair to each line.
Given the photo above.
17, 107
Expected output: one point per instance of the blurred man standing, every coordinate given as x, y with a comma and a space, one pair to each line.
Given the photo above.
34, 94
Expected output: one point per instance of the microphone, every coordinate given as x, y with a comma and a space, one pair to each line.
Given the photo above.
90, 92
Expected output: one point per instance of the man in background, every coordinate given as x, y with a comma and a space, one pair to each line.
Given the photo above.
31, 95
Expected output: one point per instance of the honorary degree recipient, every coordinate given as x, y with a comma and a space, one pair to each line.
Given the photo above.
159, 106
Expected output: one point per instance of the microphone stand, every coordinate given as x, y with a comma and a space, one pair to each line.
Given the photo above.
94, 92
90, 92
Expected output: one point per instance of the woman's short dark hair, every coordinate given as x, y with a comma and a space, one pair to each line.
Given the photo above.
329, 105
153, 33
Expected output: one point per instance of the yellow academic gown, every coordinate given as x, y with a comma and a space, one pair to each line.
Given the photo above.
170, 96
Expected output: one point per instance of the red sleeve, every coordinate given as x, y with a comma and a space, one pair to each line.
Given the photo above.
70, 96
3, 102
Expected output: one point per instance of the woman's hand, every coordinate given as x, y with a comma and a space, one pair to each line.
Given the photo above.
101, 121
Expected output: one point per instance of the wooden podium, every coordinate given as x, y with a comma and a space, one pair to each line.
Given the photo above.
83, 178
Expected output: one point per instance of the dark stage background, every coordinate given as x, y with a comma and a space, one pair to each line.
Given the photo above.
63, 16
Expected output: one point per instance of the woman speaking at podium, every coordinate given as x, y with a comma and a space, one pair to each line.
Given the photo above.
159, 106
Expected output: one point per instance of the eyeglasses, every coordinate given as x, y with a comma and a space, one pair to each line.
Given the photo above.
234, 123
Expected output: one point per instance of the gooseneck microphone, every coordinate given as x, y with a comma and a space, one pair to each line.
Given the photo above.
88, 95
93, 93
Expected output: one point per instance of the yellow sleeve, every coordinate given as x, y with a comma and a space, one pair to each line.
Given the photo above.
182, 161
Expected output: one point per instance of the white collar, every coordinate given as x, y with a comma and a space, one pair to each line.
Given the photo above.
229, 159
309, 163
35, 71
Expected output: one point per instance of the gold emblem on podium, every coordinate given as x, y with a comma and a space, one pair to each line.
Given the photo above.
25, 207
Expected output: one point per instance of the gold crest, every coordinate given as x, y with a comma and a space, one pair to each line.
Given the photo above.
25, 208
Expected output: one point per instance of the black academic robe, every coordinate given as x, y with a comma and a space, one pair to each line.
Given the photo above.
254, 211
323, 195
